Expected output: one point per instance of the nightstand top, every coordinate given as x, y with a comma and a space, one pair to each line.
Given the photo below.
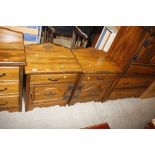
50, 58
11, 48
95, 61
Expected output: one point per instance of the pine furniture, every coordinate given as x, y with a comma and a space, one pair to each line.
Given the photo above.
12, 61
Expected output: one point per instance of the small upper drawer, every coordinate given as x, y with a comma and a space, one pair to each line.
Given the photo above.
100, 77
9, 74
9, 88
52, 78
8, 101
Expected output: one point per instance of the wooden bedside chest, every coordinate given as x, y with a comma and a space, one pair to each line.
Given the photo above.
12, 60
52, 73
99, 73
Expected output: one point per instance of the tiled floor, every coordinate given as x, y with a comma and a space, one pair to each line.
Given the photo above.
126, 113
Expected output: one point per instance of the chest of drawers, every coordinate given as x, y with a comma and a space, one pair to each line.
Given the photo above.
52, 73
12, 61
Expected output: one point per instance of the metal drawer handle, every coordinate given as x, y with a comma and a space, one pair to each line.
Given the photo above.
53, 79
50, 94
99, 78
3, 89
4, 103
3, 74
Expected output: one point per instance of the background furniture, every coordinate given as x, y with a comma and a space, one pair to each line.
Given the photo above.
31, 34
12, 61
134, 51
81, 36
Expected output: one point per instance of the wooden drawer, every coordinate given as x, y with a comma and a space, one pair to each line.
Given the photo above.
9, 74
9, 88
135, 81
99, 77
126, 93
141, 69
49, 103
8, 102
52, 92
89, 92
52, 78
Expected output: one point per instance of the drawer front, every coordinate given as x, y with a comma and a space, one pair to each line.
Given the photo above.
52, 92
49, 103
99, 77
134, 81
141, 69
89, 92
52, 78
9, 74
8, 102
9, 88
126, 93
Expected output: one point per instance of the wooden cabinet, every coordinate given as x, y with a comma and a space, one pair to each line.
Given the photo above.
12, 61
139, 71
57, 76
99, 73
51, 75
146, 53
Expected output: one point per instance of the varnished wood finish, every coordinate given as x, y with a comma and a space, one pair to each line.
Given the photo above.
11, 48
9, 74
99, 77
51, 72
141, 69
12, 60
9, 101
133, 81
137, 61
89, 92
53, 78
126, 93
150, 92
126, 44
95, 61
99, 72
50, 58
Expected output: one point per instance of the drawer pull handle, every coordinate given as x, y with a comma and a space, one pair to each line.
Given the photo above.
3, 89
3, 103
53, 79
99, 78
3, 74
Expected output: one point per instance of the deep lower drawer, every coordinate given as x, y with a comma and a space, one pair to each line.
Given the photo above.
135, 81
52, 78
9, 88
8, 102
126, 93
9, 73
52, 92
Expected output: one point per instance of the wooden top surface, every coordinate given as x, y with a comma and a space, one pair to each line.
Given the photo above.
95, 61
50, 58
11, 48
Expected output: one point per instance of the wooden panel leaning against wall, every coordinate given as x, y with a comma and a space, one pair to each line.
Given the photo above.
12, 61
134, 51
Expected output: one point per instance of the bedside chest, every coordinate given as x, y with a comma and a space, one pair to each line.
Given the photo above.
99, 73
12, 60
52, 73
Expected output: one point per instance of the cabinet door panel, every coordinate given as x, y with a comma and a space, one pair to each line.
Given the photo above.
55, 92
147, 52
89, 92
